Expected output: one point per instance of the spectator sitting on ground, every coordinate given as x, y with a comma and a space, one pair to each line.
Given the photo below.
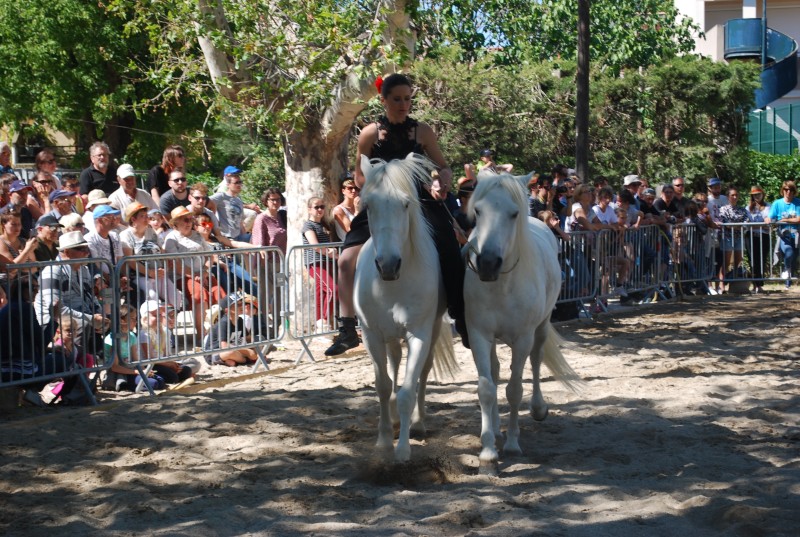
47, 232
121, 377
23, 355
174, 158
229, 331
101, 174
155, 341
127, 192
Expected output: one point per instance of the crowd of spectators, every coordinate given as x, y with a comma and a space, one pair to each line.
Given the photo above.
103, 215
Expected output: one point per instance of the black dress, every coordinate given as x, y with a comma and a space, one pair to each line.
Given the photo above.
398, 140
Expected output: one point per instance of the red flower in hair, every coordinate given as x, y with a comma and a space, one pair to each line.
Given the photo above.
379, 83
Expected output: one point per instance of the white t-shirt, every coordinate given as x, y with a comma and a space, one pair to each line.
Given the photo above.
606, 217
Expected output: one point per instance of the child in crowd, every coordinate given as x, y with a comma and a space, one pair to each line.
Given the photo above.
120, 377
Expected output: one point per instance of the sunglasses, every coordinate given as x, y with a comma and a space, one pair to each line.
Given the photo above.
179, 180
276, 200
678, 186
207, 225
236, 182
788, 189
201, 198
354, 188
44, 182
51, 161
319, 207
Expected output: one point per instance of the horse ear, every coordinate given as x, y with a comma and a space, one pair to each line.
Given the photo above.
523, 179
366, 166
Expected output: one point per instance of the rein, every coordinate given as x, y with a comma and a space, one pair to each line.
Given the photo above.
468, 259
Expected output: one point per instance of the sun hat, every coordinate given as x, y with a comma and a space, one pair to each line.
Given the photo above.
756, 190
72, 239
631, 180
18, 186
232, 170
132, 209
148, 306
104, 210
96, 197
125, 171
71, 220
58, 194
179, 212
714, 181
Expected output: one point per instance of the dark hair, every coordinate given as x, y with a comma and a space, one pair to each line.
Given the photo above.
560, 169
487, 153
43, 155
69, 177
626, 196
168, 158
8, 216
272, 190
392, 81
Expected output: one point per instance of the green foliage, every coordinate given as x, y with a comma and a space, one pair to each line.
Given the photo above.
624, 33
682, 117
769, 171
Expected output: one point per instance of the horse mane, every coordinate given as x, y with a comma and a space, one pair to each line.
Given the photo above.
398, 179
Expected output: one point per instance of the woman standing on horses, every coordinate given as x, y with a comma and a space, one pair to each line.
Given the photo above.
393, 136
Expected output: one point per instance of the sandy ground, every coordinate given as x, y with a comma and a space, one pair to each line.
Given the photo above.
687, 425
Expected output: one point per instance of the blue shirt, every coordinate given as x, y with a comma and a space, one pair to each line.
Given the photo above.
781, 209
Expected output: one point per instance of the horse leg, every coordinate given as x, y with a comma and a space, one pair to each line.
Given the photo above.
538, 405
383, 385
514, 396
395, 351
484, 355
496, 378
418, 348
418, 429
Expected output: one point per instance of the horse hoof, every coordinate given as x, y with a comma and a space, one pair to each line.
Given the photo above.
488, 468
539, 414
512, 452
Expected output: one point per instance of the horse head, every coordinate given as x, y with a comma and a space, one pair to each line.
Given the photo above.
499, 208
390, 198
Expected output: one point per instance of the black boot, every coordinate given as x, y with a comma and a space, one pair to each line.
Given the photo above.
461, 328
346, 339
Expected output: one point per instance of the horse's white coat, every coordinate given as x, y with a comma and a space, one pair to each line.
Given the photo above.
511, 285
398, 294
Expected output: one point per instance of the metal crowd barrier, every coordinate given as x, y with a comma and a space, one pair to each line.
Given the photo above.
313, 274
193, 286
54, 325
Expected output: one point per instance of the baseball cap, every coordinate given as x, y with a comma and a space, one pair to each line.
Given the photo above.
48, 220
150, 306
649, 192
631, 180
104, 210
18, 186
58, 194
125, 171
487, 153
714, 181
232, 170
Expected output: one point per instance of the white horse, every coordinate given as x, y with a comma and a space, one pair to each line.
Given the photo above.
512, 283
394, 304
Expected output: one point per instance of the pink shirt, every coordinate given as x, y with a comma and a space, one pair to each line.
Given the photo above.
268, 231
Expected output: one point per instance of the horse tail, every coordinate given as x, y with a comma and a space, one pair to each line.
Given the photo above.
444, 356
555, 362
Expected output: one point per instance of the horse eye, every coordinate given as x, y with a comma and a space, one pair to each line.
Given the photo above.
477, 212
514, 215
406, 204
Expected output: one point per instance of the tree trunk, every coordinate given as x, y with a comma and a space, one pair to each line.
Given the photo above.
314, 168
582, 101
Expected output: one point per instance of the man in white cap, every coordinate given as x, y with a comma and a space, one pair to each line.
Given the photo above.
69, 289
127, 192
631, 183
